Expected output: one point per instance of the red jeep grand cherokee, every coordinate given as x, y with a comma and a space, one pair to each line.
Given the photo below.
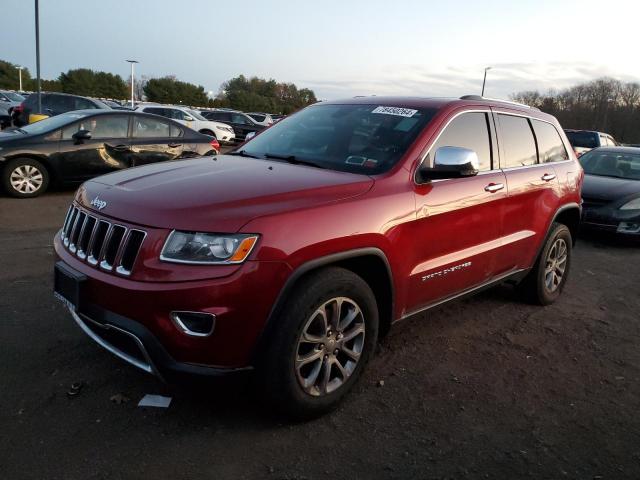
292, 254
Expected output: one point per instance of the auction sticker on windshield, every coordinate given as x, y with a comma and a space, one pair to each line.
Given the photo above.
401, 112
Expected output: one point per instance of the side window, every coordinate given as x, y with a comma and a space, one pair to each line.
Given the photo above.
145, 127
156, 111
518, 145
239, 119
174, 114
83, 104
175, 131
469, 130
550, 146
58, 103
221, 116
103, 126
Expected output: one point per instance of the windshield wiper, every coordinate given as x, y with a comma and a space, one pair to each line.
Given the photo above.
292, 159
243, 153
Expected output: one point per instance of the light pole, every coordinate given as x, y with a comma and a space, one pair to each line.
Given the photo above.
39, 93
20, 78
132, 62
484, 80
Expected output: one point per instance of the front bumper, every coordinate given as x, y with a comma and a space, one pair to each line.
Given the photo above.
241, 302
136, 345
610, 219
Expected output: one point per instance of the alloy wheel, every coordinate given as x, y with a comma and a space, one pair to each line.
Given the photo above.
330, 346
26, 179
556, 265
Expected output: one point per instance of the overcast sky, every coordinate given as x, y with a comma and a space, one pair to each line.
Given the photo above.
338, 48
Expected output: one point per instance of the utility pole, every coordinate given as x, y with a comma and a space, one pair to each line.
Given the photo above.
132, 62
485, 79
20, 78
39, 93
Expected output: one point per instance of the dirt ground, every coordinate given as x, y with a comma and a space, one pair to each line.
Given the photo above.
487, 387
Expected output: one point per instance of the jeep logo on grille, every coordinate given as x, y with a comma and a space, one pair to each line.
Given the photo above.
99, 204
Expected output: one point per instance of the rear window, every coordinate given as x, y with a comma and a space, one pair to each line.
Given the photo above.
367, 139
518, 145
583, 139
550, 146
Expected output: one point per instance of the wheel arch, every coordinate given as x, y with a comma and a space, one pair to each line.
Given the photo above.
568, 215
32, 156
370, 264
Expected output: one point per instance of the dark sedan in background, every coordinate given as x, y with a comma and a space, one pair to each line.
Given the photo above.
611, 190
241, 123
75, 146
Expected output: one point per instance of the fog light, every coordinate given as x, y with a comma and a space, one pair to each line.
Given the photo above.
196, 324
628, 227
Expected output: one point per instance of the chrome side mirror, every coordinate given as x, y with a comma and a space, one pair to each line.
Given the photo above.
451, 162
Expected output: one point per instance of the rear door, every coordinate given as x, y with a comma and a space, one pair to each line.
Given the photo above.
154, 140
108, 148
533, 187
459, 220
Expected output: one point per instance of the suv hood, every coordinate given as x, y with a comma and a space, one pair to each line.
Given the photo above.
215, 194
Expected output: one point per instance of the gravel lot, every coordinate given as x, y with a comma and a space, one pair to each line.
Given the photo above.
484, 388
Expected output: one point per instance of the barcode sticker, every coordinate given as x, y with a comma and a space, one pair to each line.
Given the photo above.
398, 111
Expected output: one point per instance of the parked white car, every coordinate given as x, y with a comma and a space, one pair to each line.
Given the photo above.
192, 119
261, 118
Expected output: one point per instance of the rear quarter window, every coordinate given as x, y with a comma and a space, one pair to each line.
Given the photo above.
550, 146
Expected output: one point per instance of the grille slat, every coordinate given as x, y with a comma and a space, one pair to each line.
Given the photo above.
101, 243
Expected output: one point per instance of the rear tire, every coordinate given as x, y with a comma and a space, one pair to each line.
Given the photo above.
25, 178
324, 338
545, 282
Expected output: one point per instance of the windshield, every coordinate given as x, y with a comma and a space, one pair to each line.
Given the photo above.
52, 123
583, 139
367, 139
196, 115
14, 97
612, 164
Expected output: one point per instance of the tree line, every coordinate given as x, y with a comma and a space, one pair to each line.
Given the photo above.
248, 94
606, 105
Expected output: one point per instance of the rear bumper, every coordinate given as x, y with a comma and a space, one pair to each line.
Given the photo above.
133, 343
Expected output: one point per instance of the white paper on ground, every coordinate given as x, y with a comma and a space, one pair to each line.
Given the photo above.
154, 401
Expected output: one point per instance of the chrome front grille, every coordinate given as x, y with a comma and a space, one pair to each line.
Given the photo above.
101, 243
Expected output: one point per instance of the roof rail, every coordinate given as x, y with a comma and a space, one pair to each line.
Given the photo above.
509, 102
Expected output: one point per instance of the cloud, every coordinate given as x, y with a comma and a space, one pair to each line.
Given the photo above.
503, 80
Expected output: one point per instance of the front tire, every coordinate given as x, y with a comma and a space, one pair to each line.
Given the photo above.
25, 178
321, 344
548, 277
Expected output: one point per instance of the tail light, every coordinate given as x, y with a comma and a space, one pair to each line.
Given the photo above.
19, 108
215, 145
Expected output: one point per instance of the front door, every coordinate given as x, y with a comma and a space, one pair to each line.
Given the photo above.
108, 148
459, 220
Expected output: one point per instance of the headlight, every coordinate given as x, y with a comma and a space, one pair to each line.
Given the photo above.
632, 205
207, 248
226, 129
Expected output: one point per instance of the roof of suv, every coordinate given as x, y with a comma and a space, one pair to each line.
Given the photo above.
441, 102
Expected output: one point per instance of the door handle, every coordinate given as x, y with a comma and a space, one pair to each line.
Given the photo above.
547, 177
174, 145
494, 187
119, 148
